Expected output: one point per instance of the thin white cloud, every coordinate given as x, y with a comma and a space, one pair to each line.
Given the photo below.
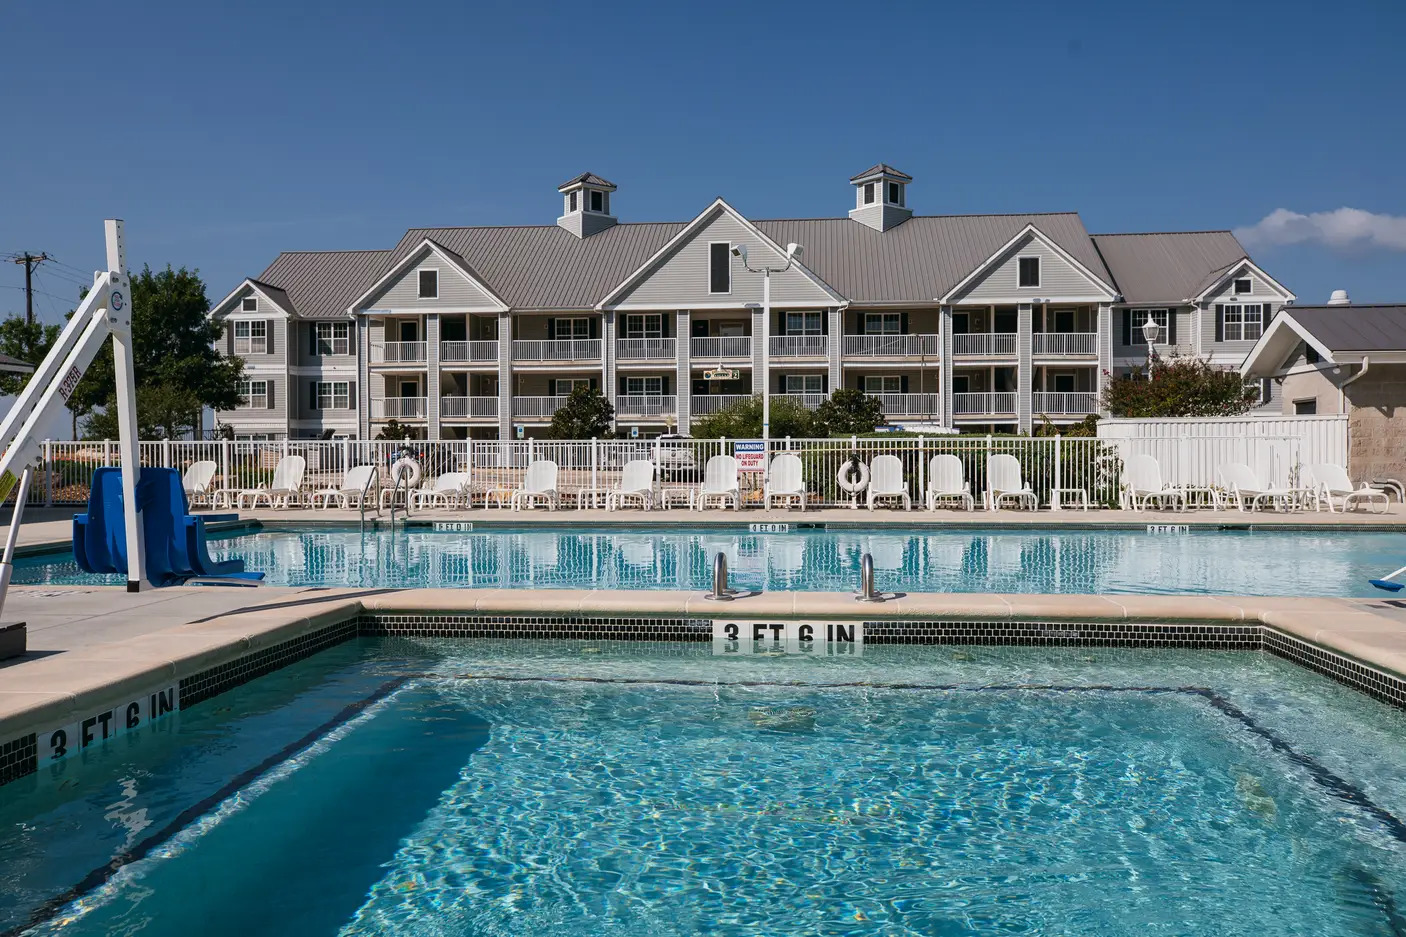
1342, 228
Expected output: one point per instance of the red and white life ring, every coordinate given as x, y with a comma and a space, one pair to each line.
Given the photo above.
853, 477
406, 469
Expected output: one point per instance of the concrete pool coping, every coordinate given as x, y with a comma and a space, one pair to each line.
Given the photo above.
61, 683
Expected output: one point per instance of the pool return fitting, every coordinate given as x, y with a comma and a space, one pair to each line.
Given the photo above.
866, 581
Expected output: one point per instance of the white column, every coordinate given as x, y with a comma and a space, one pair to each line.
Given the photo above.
1105, 351
607, 332
505, 376
945, 372
683, 392
363, 377
432, 376
1025, 371
836, 347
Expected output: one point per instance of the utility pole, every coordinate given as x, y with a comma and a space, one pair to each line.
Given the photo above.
30, 262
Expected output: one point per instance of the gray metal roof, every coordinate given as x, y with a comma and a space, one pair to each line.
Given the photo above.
1167, 267
276, 294
589, 178
881, 168
322, 284
1353, 328
15, 365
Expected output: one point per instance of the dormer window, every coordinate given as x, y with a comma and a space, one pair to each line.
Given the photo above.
868, 193
895, 193
597, 201
428, 284
571, 202
249, 304
1244, 287
1028, 272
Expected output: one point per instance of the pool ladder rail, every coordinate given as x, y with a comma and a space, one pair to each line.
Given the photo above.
867, 592
721, 592
372, 479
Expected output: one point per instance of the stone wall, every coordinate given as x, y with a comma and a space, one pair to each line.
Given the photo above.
1377, 423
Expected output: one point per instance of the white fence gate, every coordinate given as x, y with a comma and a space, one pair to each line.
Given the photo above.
1191, 450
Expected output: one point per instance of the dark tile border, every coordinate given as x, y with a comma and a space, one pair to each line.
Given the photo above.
207, 683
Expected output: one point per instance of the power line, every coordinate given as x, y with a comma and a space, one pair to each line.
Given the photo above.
62, 299
30, 261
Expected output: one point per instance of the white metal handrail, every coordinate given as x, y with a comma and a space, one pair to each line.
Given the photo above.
809, 401
537, 406
720, 346
892, 346
475, 351
984, 343
798, 346
646, 404
564, 349
399, 353
981, 404
1084, 344
399, 407
1064, 402
703, 404
461, 407
645, 349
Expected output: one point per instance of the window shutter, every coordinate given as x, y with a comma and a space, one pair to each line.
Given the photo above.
1220, 322
1127, 327
595, 328
551, 329
903, 384
269, 397
312, 395
825, 383
622, 386
825, 323
664, 386
1171, 326
595, 383
903, 323
312, 338
351, 394
1265, 316
269, 346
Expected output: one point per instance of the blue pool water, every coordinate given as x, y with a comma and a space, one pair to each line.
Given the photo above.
1044, 561
574, 788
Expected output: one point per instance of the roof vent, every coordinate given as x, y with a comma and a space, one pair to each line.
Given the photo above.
586, 201
1339, 298
881, 197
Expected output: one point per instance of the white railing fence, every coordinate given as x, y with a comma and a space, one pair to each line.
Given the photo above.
562, 349
644, 349
720, 346
984, 343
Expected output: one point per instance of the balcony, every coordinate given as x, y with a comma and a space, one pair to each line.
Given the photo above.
892, 346
644, 349
400, 408
911, 405
537, 407
645, 405
703, 404
988, 344
1080, 403
462, 408
798, 346
399, 353
478, 352
720, 346
809, 401
1080, 344
567, 349
983, 404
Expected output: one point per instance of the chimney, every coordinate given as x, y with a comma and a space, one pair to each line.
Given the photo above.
1339, 298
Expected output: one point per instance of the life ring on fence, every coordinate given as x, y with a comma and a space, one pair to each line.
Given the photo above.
851, 479
407, 468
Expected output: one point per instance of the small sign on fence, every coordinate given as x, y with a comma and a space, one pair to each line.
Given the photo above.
1168, 528
750, 455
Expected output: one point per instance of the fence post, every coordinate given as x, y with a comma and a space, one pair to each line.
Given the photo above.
165, 453
48, 473
595, 471
346, 453
922, 491
285, 446
531, 450
224, 465
1058, 484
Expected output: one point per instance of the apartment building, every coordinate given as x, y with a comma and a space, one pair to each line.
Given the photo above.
974, 322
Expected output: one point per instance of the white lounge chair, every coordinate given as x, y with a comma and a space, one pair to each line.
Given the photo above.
1244, 487
636, 483
197, 480
720, 483
947, 480
539, 484
446, 491
284, 490
349, 493
783, 480
1330, 481
886, 481
1142, 482
1004, 482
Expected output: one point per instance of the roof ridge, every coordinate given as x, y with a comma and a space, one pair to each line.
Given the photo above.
1124, 234
520, 227
353, 250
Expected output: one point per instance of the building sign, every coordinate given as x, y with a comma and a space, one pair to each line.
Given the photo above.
58, 744
721, 374
750, 456
834, 638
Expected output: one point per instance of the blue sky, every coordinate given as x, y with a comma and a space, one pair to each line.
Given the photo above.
226, 132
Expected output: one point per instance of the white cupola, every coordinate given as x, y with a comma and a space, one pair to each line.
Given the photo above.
881, 197
586, 204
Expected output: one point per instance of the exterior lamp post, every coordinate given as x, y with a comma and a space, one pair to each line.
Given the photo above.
1150, 331
792, 252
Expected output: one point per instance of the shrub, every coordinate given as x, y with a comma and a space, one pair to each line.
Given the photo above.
743, 420
585, 415
848, 411
1181, 387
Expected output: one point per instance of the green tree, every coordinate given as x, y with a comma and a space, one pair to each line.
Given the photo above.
848, 412
394, 429
1181, 387
585, 415
743, 420
27, 341
164, 411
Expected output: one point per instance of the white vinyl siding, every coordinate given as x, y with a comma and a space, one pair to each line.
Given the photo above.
1057, 276
453, 290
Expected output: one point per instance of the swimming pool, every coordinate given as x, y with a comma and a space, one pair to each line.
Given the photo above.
556, 787
1230, 562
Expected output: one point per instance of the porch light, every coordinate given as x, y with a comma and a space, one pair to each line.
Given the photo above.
1150, 331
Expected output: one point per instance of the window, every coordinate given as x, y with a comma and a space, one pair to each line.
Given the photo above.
961, 384
1242, 322
251, 338
720, 267
597, 201
333, 395
1028, 271
883, 384
571, 202
895, 194
883, 323
868, 193
566, 329
333, 338
650, 326
1063, 383
1064, 320
1243, 286
804, 323
563, 386
644, 386
254, 394
249, 304
1306, 407
429, 284
805, 384
1139, 316
1310, 354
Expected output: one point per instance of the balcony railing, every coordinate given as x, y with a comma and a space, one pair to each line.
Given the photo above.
928, 405
399, 353
562, 349
459, 408
984, 343
720, 346
646, 405
809, 401
703, 404
1084, 344
537, 406
798, 346
892, 346
468, 352
644, 349
399, 408
983, 404
1065, 403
